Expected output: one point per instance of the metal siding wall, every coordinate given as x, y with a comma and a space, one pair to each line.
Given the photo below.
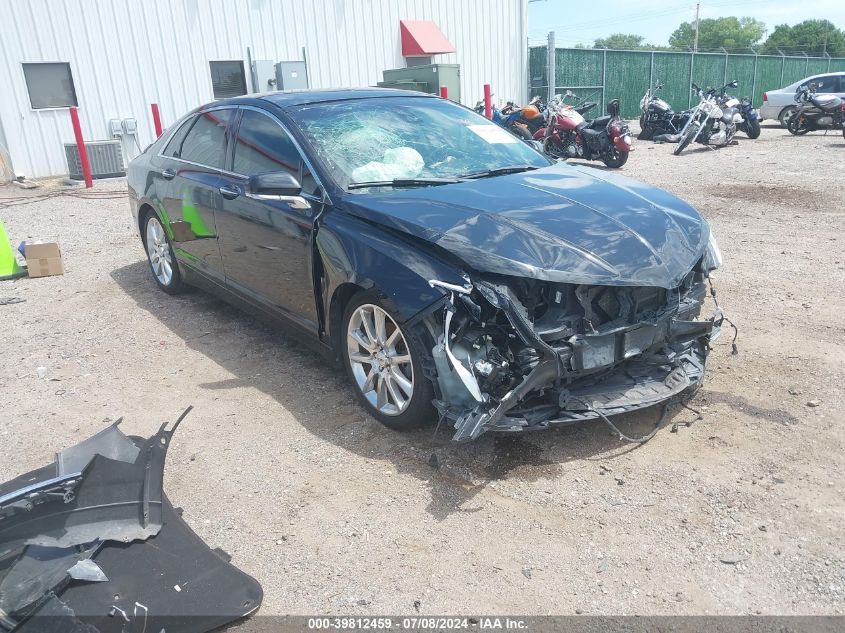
126, 54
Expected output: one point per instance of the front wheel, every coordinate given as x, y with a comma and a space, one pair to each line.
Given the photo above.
614, 158
384, 363
686, 139
161, 256
553, 149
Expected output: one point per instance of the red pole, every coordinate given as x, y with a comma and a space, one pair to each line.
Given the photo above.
444, 92
156, 118
488, 102
80, 145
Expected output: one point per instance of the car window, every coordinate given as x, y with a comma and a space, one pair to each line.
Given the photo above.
262, 146
205, 143
829, 83
174, 146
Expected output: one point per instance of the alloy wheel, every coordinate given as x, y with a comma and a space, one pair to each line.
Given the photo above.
158, 250
380, 359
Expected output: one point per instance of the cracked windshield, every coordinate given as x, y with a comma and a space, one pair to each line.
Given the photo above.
365, 142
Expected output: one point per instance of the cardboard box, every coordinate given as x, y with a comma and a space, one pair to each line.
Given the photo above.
43, 259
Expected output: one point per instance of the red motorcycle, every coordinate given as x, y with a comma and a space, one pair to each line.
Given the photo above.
568, 135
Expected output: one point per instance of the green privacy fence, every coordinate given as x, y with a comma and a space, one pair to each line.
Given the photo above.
601, 75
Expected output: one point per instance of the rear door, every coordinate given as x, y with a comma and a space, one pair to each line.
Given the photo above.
194, 160
266, 242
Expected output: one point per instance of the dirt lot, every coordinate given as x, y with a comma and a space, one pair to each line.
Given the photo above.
741, 512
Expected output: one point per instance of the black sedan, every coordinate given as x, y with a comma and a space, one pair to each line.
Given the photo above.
452, 269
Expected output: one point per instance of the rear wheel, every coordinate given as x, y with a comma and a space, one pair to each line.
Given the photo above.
785, 115
752, 129
686, 139
614, 158
797, 126
161, 256
384, 363
521, 132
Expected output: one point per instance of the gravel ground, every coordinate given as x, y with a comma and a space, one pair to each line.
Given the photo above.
739, 512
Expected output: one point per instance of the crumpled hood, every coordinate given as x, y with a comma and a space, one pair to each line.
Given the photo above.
563, 223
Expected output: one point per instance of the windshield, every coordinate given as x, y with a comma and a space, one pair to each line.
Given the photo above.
409, 139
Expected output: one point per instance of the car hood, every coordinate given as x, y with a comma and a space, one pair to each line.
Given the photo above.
563, 224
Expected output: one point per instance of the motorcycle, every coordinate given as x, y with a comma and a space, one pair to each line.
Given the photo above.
708, 123
816, 112
522, 122
750, 123
568, 135
750, 126
657, 116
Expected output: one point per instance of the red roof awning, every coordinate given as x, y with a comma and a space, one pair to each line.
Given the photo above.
422, 38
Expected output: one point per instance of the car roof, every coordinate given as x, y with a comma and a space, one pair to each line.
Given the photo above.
795, 84
294, 98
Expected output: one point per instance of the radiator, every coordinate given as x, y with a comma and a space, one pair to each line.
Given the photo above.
106, 158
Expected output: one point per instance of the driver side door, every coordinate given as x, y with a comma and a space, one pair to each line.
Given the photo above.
266, 241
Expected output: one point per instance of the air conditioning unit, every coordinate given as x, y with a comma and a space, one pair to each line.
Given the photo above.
106, 158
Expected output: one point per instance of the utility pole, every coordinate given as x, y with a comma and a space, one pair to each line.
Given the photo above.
695, 44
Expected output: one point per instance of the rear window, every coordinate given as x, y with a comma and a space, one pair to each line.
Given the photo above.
205, 143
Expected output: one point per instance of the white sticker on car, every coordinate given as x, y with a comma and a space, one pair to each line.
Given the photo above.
493, 134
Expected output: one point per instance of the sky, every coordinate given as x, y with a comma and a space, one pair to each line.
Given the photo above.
577, 21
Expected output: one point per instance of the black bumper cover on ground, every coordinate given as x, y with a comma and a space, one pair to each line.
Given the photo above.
143, 568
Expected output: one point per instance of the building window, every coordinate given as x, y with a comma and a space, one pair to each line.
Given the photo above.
227, 79
50, 85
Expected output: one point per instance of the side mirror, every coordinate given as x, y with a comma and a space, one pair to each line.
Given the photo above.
569, 93
279, 183
734, 83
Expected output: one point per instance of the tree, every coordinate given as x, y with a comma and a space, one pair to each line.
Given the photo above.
621, 41
814, 37
715, 33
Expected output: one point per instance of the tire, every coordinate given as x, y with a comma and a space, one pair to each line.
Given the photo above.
615, 158
795, 128
752, 129
786, 114
161, 256
370, 364
521, 132
552, 149
686, 140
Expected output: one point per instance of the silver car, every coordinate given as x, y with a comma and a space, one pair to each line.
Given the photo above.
780, 104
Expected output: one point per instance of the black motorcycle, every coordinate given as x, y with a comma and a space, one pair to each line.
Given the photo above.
816, 112
657, 116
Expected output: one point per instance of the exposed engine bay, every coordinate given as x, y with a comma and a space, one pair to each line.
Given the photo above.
515, 354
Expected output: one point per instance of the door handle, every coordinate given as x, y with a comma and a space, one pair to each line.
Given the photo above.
168, 174
229, 192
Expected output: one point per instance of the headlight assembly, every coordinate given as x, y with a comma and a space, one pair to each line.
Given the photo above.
712, 256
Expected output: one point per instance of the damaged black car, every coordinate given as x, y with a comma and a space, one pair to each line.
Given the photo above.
456, 272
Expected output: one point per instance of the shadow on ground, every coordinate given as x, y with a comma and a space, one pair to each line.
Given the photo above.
260, 357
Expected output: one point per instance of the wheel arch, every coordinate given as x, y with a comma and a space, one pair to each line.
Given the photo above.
143, 210
357, 256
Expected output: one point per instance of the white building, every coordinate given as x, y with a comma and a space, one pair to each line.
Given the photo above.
113, 58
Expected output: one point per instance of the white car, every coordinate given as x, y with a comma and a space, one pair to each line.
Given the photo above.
780, 104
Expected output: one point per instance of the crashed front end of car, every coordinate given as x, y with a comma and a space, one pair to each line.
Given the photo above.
516, 354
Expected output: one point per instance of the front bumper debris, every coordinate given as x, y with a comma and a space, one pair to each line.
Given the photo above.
595, 374
91, 544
